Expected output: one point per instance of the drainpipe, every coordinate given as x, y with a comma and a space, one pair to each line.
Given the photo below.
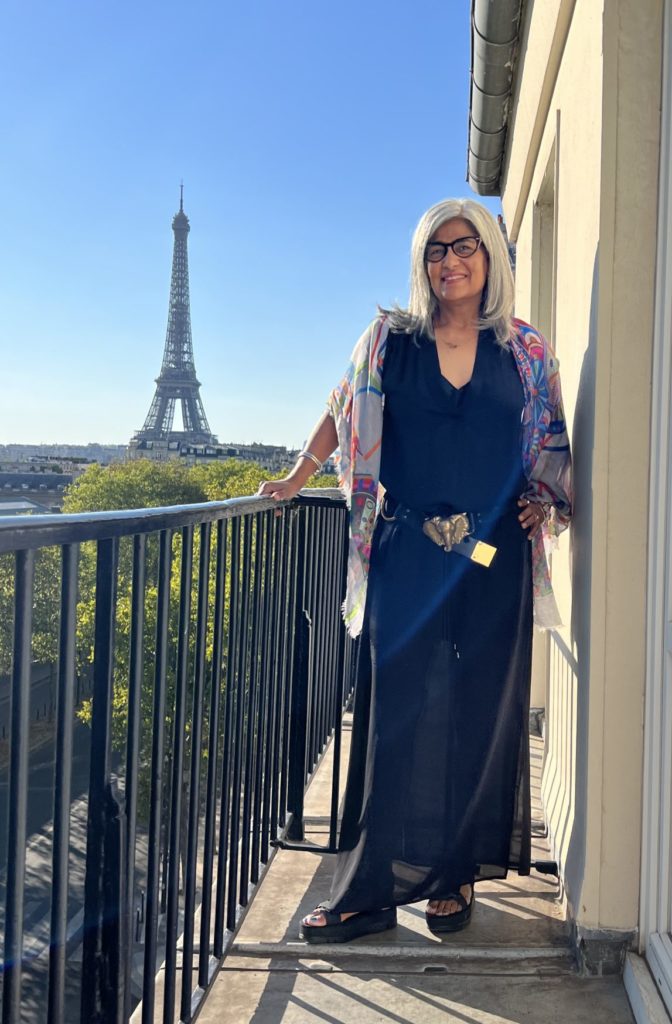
495, 27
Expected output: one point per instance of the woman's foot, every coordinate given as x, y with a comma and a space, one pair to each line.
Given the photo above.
450, 906
325, 926
452, 913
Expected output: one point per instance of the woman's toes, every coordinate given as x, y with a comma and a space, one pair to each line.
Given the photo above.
445, 907
318, 920
314, 920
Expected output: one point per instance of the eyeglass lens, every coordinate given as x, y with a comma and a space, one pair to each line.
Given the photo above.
462, 247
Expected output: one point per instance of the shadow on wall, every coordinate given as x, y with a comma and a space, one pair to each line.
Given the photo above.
580, 561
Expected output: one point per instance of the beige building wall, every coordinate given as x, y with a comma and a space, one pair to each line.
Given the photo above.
579, 197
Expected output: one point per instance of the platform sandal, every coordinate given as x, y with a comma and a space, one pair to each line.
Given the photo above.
353, 927
440, 924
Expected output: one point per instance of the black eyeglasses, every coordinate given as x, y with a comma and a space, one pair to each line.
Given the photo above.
435, 252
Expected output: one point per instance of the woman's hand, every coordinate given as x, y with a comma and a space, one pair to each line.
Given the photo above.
281, 490
532, 517
319, 447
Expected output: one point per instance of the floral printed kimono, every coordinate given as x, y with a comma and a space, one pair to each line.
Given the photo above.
356, 405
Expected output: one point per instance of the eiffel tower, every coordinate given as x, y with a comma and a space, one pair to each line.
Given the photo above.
177, 380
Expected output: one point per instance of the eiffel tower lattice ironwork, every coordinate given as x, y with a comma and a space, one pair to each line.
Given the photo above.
177, 380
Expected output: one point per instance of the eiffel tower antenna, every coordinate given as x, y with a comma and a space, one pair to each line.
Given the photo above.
177, 380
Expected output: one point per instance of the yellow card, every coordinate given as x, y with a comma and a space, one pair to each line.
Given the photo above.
483, 553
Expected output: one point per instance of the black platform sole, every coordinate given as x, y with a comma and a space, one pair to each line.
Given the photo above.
444, 924
352, 928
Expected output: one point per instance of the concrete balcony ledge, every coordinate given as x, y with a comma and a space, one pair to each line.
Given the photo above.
513, 964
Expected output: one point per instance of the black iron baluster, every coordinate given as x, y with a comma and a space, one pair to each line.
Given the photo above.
337, 596
213, 742
274, 681
324, 554
18, 787
156, 782
195, 775
319, 556
65, 706
251, 715
278, 685
318, 639
133, 747
228, 740
275, 604
309, 606
320, 674
234, 836
298, 723
331, 585
340, 686
103, 956
264, 660
179, 717
289, 617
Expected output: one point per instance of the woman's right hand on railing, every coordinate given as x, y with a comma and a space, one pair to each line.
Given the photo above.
320, 444
281, 490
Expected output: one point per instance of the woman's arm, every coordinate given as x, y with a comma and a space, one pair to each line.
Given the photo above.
321, 444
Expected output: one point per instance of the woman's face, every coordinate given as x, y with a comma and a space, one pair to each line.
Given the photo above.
455, 278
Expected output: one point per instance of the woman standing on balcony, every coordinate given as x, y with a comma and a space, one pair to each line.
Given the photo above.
469, 444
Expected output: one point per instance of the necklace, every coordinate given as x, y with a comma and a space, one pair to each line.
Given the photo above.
449, 344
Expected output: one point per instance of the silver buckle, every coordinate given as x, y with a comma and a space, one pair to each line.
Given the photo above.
388, 519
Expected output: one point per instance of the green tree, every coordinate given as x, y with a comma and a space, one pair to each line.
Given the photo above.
237, 478
323, 480
46, 604
137, 484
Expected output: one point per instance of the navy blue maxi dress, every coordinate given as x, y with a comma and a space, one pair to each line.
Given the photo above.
438, 782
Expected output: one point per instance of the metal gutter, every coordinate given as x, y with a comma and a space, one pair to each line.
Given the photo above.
495, 27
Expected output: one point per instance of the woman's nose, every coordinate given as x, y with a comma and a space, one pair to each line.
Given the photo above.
450, 259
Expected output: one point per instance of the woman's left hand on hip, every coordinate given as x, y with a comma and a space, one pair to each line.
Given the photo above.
532, 516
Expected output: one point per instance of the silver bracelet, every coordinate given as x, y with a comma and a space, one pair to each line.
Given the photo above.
313, 458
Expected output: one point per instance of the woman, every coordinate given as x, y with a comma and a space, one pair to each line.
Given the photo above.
453, 407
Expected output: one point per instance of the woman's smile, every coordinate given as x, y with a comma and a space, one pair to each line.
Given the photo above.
450, 278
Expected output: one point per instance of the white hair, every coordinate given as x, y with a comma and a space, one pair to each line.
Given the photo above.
498, 294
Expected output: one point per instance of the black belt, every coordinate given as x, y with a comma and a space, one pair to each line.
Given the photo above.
453, 533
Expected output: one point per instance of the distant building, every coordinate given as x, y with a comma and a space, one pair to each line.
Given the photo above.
103, 454
272, 457
40, 489
22, 507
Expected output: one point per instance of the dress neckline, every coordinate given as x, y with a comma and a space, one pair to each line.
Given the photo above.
443, 379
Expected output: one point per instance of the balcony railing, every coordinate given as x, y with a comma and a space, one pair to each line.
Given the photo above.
220, 669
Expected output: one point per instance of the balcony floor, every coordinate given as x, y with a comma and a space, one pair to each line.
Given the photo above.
511, 965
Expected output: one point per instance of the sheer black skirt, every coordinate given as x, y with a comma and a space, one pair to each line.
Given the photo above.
438, 783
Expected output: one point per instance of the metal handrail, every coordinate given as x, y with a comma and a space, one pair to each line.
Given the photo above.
32, 532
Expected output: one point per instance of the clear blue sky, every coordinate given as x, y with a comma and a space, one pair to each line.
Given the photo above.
310, 137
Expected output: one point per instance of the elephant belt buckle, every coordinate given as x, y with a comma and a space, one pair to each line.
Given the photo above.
446, 531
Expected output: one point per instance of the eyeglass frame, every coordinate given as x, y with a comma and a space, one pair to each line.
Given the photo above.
451, 246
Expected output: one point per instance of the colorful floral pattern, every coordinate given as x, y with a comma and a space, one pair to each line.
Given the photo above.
357, 407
